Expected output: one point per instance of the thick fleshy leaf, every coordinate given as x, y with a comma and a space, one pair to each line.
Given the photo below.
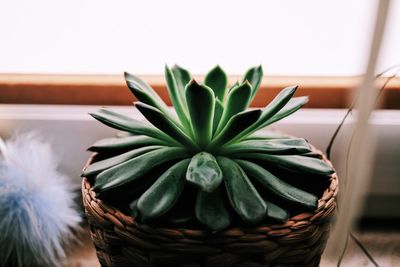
237, 101
164, 193
271, 109
218, 110
242, 195
254, 76
125, 123
289, 146
204, 172
295, 163
104, 164
266, 135
201, 102
125, 143
276, 212
134, 209
211, 210
235, 126
233, 86
159, 120
216, 79
292, 106
182, 77
277, 103
144, 93
135, 168
278, 187
178, 99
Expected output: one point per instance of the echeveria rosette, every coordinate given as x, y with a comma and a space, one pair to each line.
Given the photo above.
213, 143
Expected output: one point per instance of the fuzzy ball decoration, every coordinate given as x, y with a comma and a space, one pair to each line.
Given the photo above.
37, 210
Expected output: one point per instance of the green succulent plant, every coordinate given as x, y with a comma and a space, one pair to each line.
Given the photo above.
213, 144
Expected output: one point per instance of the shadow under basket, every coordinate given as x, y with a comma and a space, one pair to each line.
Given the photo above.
121, 241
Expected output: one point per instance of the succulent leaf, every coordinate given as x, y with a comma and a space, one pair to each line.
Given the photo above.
233, 86
159, 120
204, 172
296, 163
234, 127
216, 79
278, 187
292, 106
289, 146
211, 210
281, 99
237, 101
276, 212
124, 143
218, 110
266, 135
201, 103
124, 123
134, 209
254, 76
182, 77
242, 195
104, 164
271, 109
164, 193
135, 168
134, 83
178, 99
144, 93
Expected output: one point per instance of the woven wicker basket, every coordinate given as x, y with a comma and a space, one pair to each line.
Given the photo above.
121, 241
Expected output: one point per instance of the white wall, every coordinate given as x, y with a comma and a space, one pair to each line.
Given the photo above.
289, 37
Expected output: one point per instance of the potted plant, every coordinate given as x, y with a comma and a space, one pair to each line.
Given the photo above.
207, 186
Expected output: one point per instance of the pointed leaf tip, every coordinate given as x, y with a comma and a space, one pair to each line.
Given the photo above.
254, 76
193, 82
177, 97
217, 80
237, 101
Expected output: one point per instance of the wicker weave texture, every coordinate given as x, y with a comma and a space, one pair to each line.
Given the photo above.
121, 241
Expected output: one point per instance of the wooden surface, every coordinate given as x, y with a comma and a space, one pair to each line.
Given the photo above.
383, 245
324, 92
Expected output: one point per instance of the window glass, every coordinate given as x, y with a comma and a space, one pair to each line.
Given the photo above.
289, 37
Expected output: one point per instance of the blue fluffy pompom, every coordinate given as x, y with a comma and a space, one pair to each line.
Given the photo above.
37, 210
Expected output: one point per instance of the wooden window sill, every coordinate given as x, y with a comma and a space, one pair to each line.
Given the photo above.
324, 92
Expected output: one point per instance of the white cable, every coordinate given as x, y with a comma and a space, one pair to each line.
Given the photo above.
363, 147
3, 149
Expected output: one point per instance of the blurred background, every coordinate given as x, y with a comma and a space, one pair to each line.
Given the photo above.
60, 60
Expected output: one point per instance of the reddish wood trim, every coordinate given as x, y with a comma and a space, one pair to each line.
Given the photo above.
324, 92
